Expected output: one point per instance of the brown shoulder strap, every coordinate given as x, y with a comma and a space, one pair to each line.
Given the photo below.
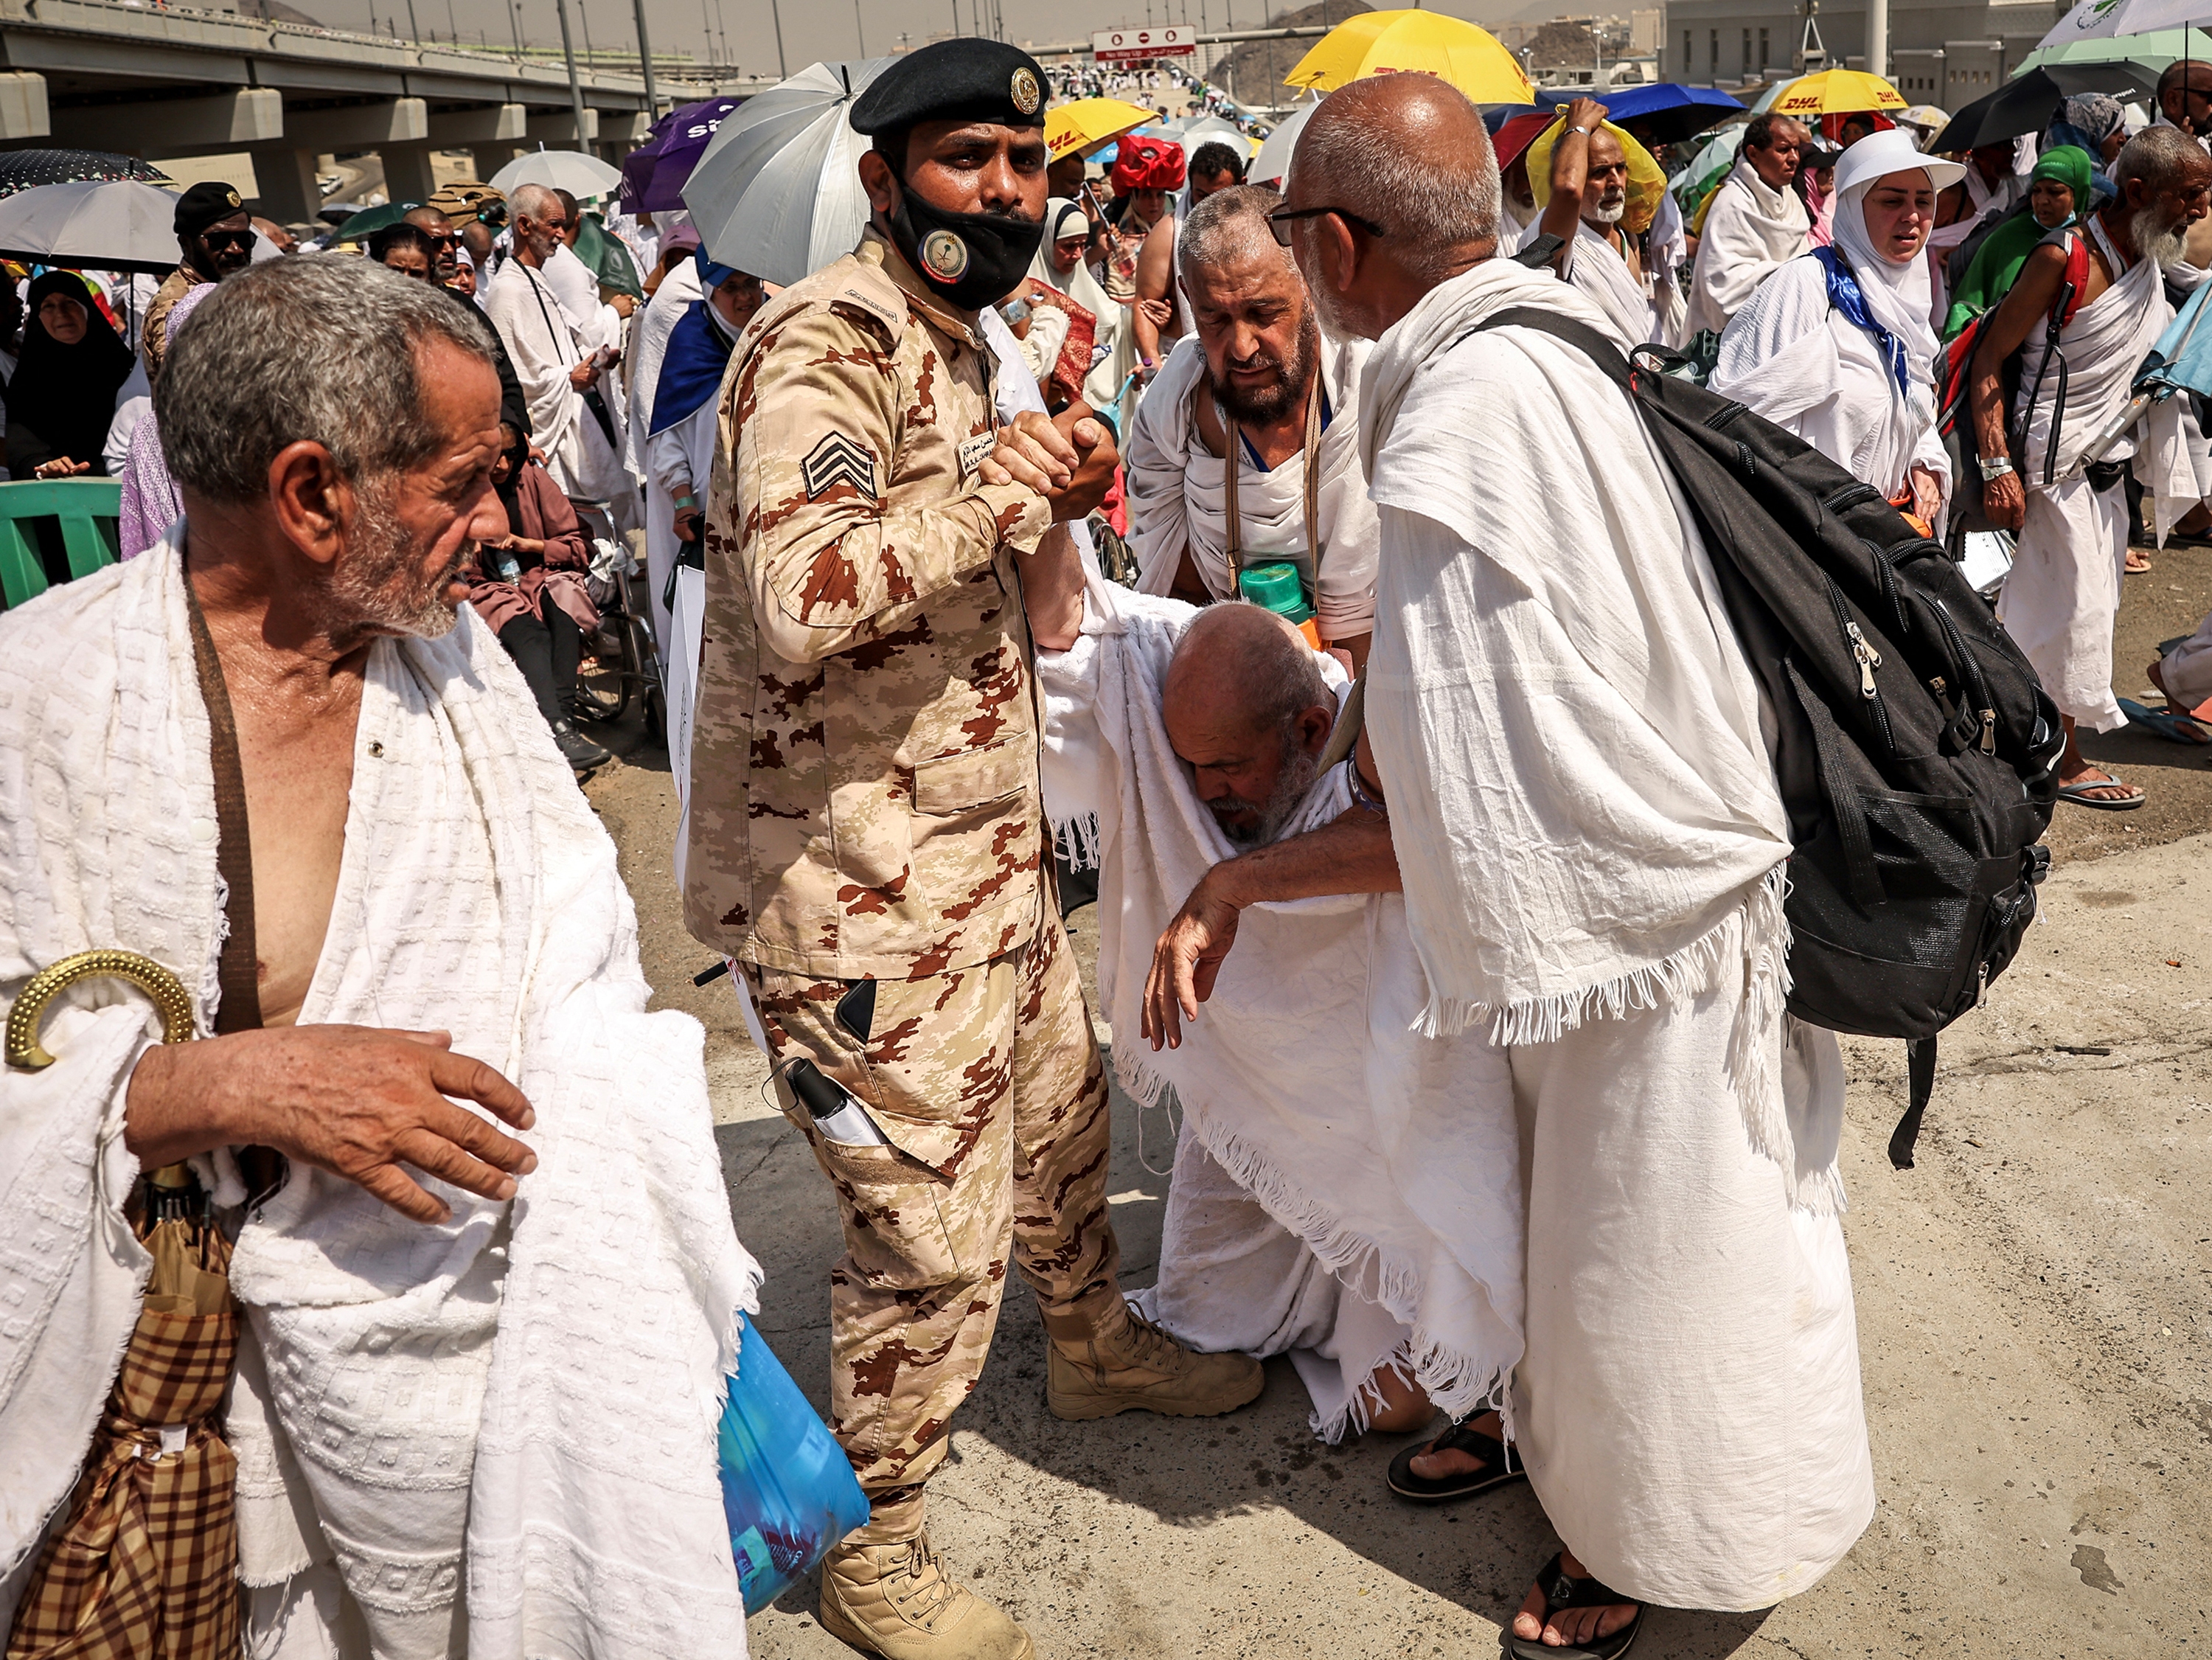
239, 972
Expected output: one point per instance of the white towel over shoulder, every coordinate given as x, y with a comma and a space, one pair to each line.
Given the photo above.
499, 1431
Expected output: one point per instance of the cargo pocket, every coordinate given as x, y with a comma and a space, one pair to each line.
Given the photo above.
894, 1229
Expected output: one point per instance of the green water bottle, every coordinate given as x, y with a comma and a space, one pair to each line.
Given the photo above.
1279, 587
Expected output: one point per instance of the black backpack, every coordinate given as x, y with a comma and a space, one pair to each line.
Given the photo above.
1918, 752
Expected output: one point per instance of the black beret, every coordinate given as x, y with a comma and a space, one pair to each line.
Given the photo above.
203, 203
957, 80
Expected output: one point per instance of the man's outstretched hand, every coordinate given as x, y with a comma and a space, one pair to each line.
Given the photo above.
357, 1101
1186, 962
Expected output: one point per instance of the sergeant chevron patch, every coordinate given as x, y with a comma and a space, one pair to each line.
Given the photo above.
836, 460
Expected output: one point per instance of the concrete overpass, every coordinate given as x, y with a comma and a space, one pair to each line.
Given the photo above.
167, 82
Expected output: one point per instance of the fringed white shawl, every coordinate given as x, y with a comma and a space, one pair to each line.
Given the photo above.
1585, 814
560, 1360
1395, 1158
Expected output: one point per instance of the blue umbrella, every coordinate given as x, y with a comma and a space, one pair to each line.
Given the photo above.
655, 173
1667, 113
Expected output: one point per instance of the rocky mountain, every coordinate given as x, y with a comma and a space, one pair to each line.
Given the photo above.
1253, 73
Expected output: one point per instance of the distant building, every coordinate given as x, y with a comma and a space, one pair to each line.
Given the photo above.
1947, 54
1647, 33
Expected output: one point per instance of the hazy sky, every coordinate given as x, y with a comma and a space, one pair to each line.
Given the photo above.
812, 29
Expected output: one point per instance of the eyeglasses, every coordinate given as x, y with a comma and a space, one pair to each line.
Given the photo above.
1280, 220
227, 238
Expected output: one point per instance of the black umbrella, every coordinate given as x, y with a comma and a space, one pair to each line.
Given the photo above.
22, 169
2026, 102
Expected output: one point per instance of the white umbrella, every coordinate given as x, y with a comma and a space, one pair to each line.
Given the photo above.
2100, 20
572, 170
1210, 129
778, 192
1274, 161
110, 225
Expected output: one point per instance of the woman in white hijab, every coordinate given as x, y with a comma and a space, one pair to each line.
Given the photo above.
1836, 345
1067, 231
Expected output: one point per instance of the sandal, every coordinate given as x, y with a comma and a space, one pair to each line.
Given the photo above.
1563, 1590
2078, 793
1499, 1467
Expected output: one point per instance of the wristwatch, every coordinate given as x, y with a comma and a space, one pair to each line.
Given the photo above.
1995, 467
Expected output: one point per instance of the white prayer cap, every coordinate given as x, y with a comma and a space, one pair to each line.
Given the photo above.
1881, 154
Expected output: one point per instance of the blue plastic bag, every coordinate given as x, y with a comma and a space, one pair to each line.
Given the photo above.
787, 1488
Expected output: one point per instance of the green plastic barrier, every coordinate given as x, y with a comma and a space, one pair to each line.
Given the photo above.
87, 510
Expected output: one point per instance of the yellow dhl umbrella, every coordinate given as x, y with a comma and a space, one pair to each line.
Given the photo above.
1389, 42
1839, 92
1088, 123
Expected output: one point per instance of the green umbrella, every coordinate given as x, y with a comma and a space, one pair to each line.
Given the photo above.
365, 224
2154, 51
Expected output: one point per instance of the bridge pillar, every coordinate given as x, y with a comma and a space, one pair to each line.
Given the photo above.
23, 106
407, 175
490, 158
287, 178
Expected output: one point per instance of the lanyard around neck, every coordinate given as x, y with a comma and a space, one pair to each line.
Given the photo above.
1234, 464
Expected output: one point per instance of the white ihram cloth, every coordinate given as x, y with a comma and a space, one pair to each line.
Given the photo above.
543, 345
1749, 230
1389, 1156
649, 332
1592, 842
521, 1402
2063, 594
1791, 356
1178, 497
1636, 313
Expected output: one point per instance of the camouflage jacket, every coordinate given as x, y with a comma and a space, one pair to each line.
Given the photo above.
864, 760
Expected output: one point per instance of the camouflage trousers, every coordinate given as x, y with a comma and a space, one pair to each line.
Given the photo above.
986, 1082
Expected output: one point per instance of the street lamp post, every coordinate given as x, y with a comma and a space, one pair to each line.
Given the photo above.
644, 58
575, 88
775, 10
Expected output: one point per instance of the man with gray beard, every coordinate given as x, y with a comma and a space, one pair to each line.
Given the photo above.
1590, 212
1253, 422
273, 774
2063, 595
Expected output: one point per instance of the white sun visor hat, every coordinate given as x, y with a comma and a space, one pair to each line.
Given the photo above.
1879, 154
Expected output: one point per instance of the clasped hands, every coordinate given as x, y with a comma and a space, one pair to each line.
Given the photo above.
1068, 459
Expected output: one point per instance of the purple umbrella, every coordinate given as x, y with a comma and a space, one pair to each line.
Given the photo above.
653, 174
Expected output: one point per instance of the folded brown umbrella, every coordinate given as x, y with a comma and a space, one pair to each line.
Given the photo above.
145, 1564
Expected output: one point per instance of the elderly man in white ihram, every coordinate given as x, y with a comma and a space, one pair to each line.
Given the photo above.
1252, 426
2063, 594
1565, 738
477, 1380
1754, 223
1836, 345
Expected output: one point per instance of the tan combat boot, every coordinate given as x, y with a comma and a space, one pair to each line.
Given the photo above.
1128, 1364
894, 1600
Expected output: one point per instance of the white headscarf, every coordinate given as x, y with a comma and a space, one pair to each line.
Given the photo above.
1078, 285
1901, 295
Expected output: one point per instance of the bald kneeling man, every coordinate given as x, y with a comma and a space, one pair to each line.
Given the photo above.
1306, 1213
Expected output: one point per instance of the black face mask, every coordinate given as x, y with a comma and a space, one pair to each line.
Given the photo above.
970, 260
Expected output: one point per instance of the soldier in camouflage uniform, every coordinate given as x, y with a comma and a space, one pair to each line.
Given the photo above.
865, 826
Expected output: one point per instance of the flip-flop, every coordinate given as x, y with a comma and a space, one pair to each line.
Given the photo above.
2077, 793
2138, 564
1563, 1590
1499, 1467
2174, 728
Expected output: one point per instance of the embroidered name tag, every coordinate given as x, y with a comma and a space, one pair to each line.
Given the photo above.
972, 450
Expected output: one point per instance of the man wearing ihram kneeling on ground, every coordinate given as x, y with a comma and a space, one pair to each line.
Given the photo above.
866, 835
267, 755
1565, 738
